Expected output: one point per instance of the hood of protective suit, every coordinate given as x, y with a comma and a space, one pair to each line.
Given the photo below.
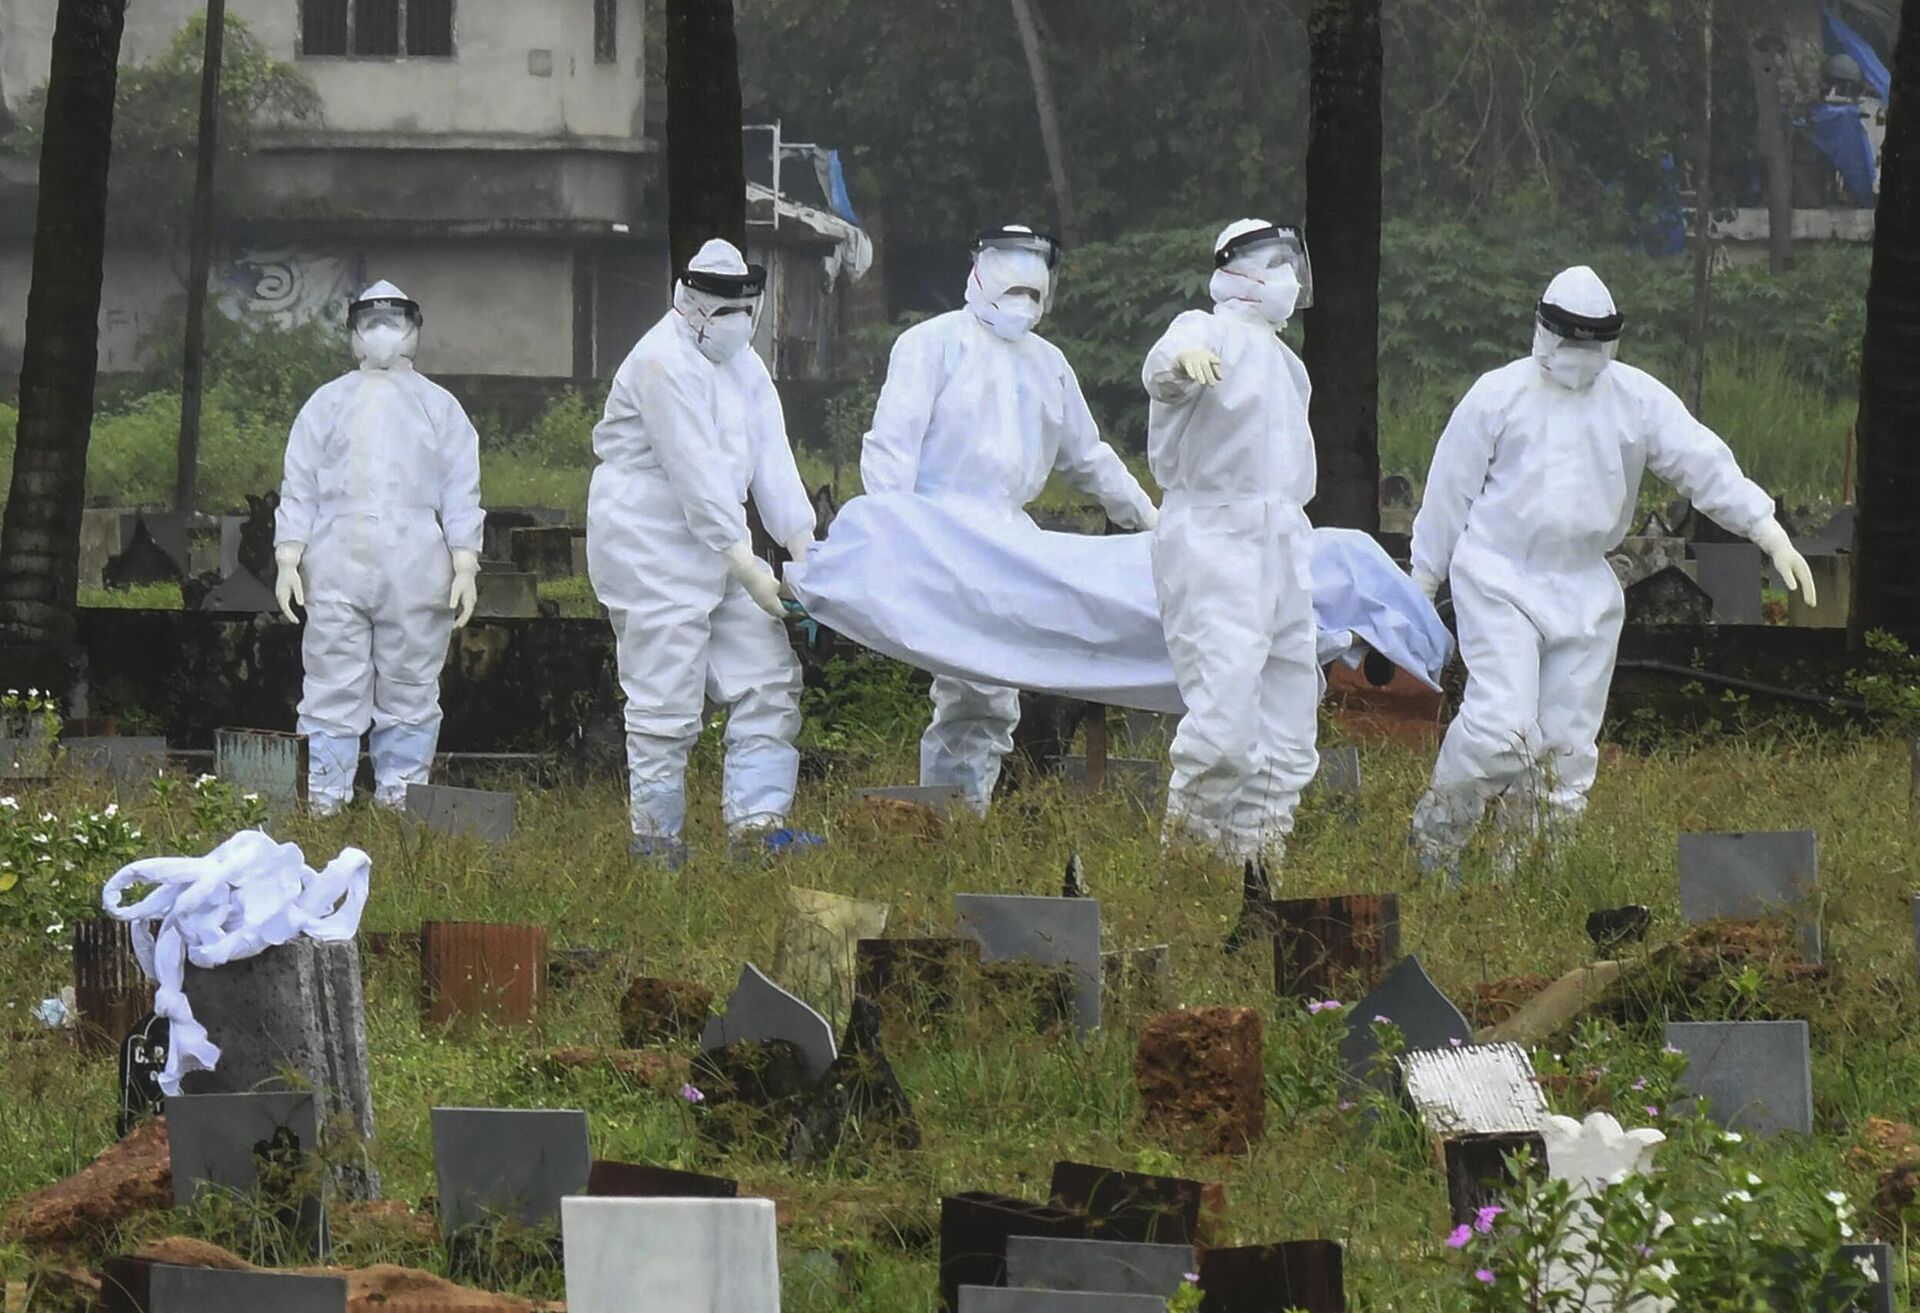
990, 295
382, 339
1575, 365
1248, 282
722, 326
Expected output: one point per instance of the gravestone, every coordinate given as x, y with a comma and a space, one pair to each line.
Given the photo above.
128, 762
1141, 781
915, 982
975, 1228
1485, 1090
506, 595
240, 593
1590, 1156
1478, 1171
496, 533
1339, 774
260, 1144
513, 1163
111, 992
1308, 1275
1324, 947
1410, 1000
143, 1055
463, 813
1748, 877
133, 1285
1052, 932
1757, 1076
544, 551
684, 1255
271, 764
1833, 586
474, 969
860, 1100
611, 1180
761, 1011
1102, 1266
1733, 575
1136, 1206
815, 949
100, 542
989, 1299
1670, 596
1878, 1299
1836, 535
155, 553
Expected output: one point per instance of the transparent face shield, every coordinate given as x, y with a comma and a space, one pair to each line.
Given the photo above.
1270, 252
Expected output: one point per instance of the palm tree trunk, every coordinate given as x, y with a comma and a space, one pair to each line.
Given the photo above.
1887, 591
1049, 112
1343, 229
706, 162
40, 546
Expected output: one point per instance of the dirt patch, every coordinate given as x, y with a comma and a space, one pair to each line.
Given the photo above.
1494, 1001
662, 1011
1740, 970
128, 1178
1405, 711
1200, 1076
383, 1288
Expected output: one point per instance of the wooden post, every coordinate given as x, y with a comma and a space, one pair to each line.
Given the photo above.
112, 992
199, 264
1324, 945
472, 969
1477, 1172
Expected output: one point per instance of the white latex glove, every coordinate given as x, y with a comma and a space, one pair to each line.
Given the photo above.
287, 589
1426, 583
1149, 519
756, 576
1198, 365
466, 565
1772, 539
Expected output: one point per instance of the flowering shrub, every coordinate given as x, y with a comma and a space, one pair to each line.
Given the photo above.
53, 867
217, 807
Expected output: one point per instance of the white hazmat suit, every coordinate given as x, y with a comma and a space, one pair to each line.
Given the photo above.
1534, 481
692, 426
1233, 554
976, 407
378, 534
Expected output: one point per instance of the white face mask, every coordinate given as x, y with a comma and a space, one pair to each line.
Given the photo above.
382, 346
1575, 368
724, 337
1273, 292
1012, 319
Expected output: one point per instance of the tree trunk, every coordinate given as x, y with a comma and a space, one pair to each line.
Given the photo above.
40, 546
200, 259
1700, 48
1776, 150
1343, 231
1887, 588
706, 163
1049, 121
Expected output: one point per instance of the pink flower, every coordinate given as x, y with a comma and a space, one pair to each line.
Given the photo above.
1640, 1084
1454, 1042
1483, 1276
691, 1093
1381, 1020
1461, 1234
1483, 1219
1346, 1105
1323, 1005
1652, 1111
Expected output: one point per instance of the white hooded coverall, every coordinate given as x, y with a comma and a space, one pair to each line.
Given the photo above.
1232, 569
966, 413
1532, 484
683, 442
382, 484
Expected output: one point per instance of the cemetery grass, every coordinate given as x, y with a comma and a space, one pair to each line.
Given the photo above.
998, 1104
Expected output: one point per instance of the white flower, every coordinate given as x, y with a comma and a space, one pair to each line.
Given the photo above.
1752, 1179
204, 781
113, 809
9, 804
250, 797
1868, 1269
1732, 1137
1846, 1231
1836, 1197
1736, 1196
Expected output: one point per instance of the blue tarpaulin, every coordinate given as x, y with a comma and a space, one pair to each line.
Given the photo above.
837, 190
1843, 38
1842, 138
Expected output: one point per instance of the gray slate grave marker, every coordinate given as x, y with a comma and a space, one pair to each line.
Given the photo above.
508, 1162
760, 1010
1485, 1090
207, 1290
1747, 877
1409, 999
265, 762
1339, 775
126, 761
220, 1141
1001, 1299
476, 813
674, 1255
1052, 932
939, 797
1880, 1298
1101, 1266
1732, 574
1756, 1075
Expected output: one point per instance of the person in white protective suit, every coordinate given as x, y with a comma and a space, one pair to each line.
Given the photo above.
1228, 439
1534, 481
693, 425
378, 536
977, 407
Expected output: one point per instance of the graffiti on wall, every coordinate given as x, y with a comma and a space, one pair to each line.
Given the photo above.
285, 286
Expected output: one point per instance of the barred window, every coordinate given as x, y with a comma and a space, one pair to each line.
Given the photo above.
376, 29
606, 35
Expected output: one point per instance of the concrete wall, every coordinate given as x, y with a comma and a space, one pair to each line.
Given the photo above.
521, 68
138, 288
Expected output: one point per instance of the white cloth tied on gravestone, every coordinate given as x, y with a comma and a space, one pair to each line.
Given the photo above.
978, 592
246, 896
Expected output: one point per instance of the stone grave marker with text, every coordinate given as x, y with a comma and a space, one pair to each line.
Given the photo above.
684, 1255
1053, 932
143, 1055
1751, 876
1757, 1076
515, 1163
254, 1144
1409, 999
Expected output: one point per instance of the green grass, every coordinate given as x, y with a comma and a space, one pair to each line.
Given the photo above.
999, 1106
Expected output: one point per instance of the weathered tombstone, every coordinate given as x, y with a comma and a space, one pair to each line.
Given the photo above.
1054, 932
1747, 877
859, 1096
506, 595
1410, 1000
611, 1180
687, 1255
1479, 1173
271, 764
240, 593
474, 969
463, 813
1640, 555
1757, 1076
1202, 1078
760, 1011
1878, 1258
110, 990
1833, 586
814, 953
496, 534
133, 1285
1733, 575
974, 1229
1308, 1275
1591, 1156
1339, 774
544, 551
1137, 1206
914, 981
1324, 946
513, 1163
255, 1144
143, 1055
990, 1299
99, 543
1114, 1267
1141, 781
128, 762
1485, 1090
1669, 596
155, 553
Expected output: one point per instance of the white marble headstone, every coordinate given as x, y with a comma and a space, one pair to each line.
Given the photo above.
683, 1255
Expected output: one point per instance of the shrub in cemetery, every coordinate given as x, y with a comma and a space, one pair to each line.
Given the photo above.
216, 807
1303, 1057
53, 866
